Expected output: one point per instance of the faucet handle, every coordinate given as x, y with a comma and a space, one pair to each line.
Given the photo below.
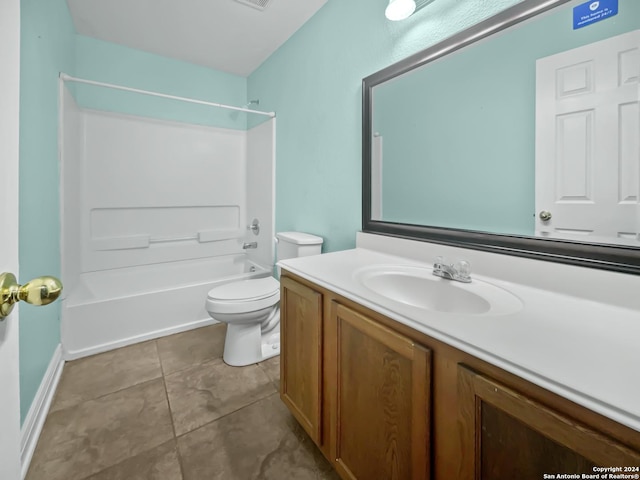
255, 226
463, 271
464, 268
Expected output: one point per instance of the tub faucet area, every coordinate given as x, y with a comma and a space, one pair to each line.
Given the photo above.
250, 245
460, 272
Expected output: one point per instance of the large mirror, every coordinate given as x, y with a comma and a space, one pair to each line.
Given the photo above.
520, 135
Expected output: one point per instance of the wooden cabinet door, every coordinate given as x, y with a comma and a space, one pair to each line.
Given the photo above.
301, 354
383, 401
506, 435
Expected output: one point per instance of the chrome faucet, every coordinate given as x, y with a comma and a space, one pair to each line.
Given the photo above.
250, 245
460, 272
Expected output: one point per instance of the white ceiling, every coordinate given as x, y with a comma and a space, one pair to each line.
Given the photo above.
221, 34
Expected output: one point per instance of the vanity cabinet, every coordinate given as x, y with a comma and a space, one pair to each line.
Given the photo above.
382, 408
508, 435
301, 354
384, 401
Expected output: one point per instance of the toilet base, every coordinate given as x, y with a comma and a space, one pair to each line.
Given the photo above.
271, 345
245, 344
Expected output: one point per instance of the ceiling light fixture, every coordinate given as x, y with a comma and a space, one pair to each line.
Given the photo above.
400, 9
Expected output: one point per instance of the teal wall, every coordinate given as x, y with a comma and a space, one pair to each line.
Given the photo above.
111, 63
459, 135
47, 46
314, 81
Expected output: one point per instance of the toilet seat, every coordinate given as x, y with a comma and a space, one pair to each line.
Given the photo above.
244, 296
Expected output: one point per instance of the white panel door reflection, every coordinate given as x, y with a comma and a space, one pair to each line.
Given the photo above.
587, 142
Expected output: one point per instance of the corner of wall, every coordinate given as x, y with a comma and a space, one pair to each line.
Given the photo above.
47, 47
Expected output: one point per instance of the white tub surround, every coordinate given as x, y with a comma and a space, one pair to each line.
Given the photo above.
124, 306
576, 334
154, 215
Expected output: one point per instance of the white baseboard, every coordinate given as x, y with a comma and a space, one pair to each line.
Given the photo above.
34, 421
105, 347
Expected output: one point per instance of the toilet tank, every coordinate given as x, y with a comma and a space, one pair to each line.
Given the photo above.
297, 244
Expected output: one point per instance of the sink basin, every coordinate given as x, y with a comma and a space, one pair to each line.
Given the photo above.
418, 287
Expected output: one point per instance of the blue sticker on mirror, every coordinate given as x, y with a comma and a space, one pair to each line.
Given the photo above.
592, 12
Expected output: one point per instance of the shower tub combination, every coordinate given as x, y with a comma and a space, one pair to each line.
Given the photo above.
124, 306
155, 214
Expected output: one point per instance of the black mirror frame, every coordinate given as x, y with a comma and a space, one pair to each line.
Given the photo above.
606, 257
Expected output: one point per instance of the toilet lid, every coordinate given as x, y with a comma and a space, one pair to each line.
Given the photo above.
245, 290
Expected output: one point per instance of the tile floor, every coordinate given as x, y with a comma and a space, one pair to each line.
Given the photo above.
171, 409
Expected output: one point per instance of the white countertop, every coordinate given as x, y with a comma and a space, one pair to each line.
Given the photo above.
583, 350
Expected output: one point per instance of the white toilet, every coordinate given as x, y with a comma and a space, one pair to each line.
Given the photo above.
251, 309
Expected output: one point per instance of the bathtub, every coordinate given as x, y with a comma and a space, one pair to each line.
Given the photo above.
113, 308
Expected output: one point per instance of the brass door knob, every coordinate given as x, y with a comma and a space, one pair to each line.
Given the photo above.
39, 291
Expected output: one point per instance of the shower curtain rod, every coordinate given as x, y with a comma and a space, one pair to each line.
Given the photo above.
69, 78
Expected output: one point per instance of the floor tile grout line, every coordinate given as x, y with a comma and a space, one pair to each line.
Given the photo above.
146, 450
200, 364
173, 427
69, 364
129, 458
160, 364
174, 438
75, 405
166, 396
163, 376
275, 387
164, 381
166, 393
162, 372
272, 380
227, 414
191, 364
